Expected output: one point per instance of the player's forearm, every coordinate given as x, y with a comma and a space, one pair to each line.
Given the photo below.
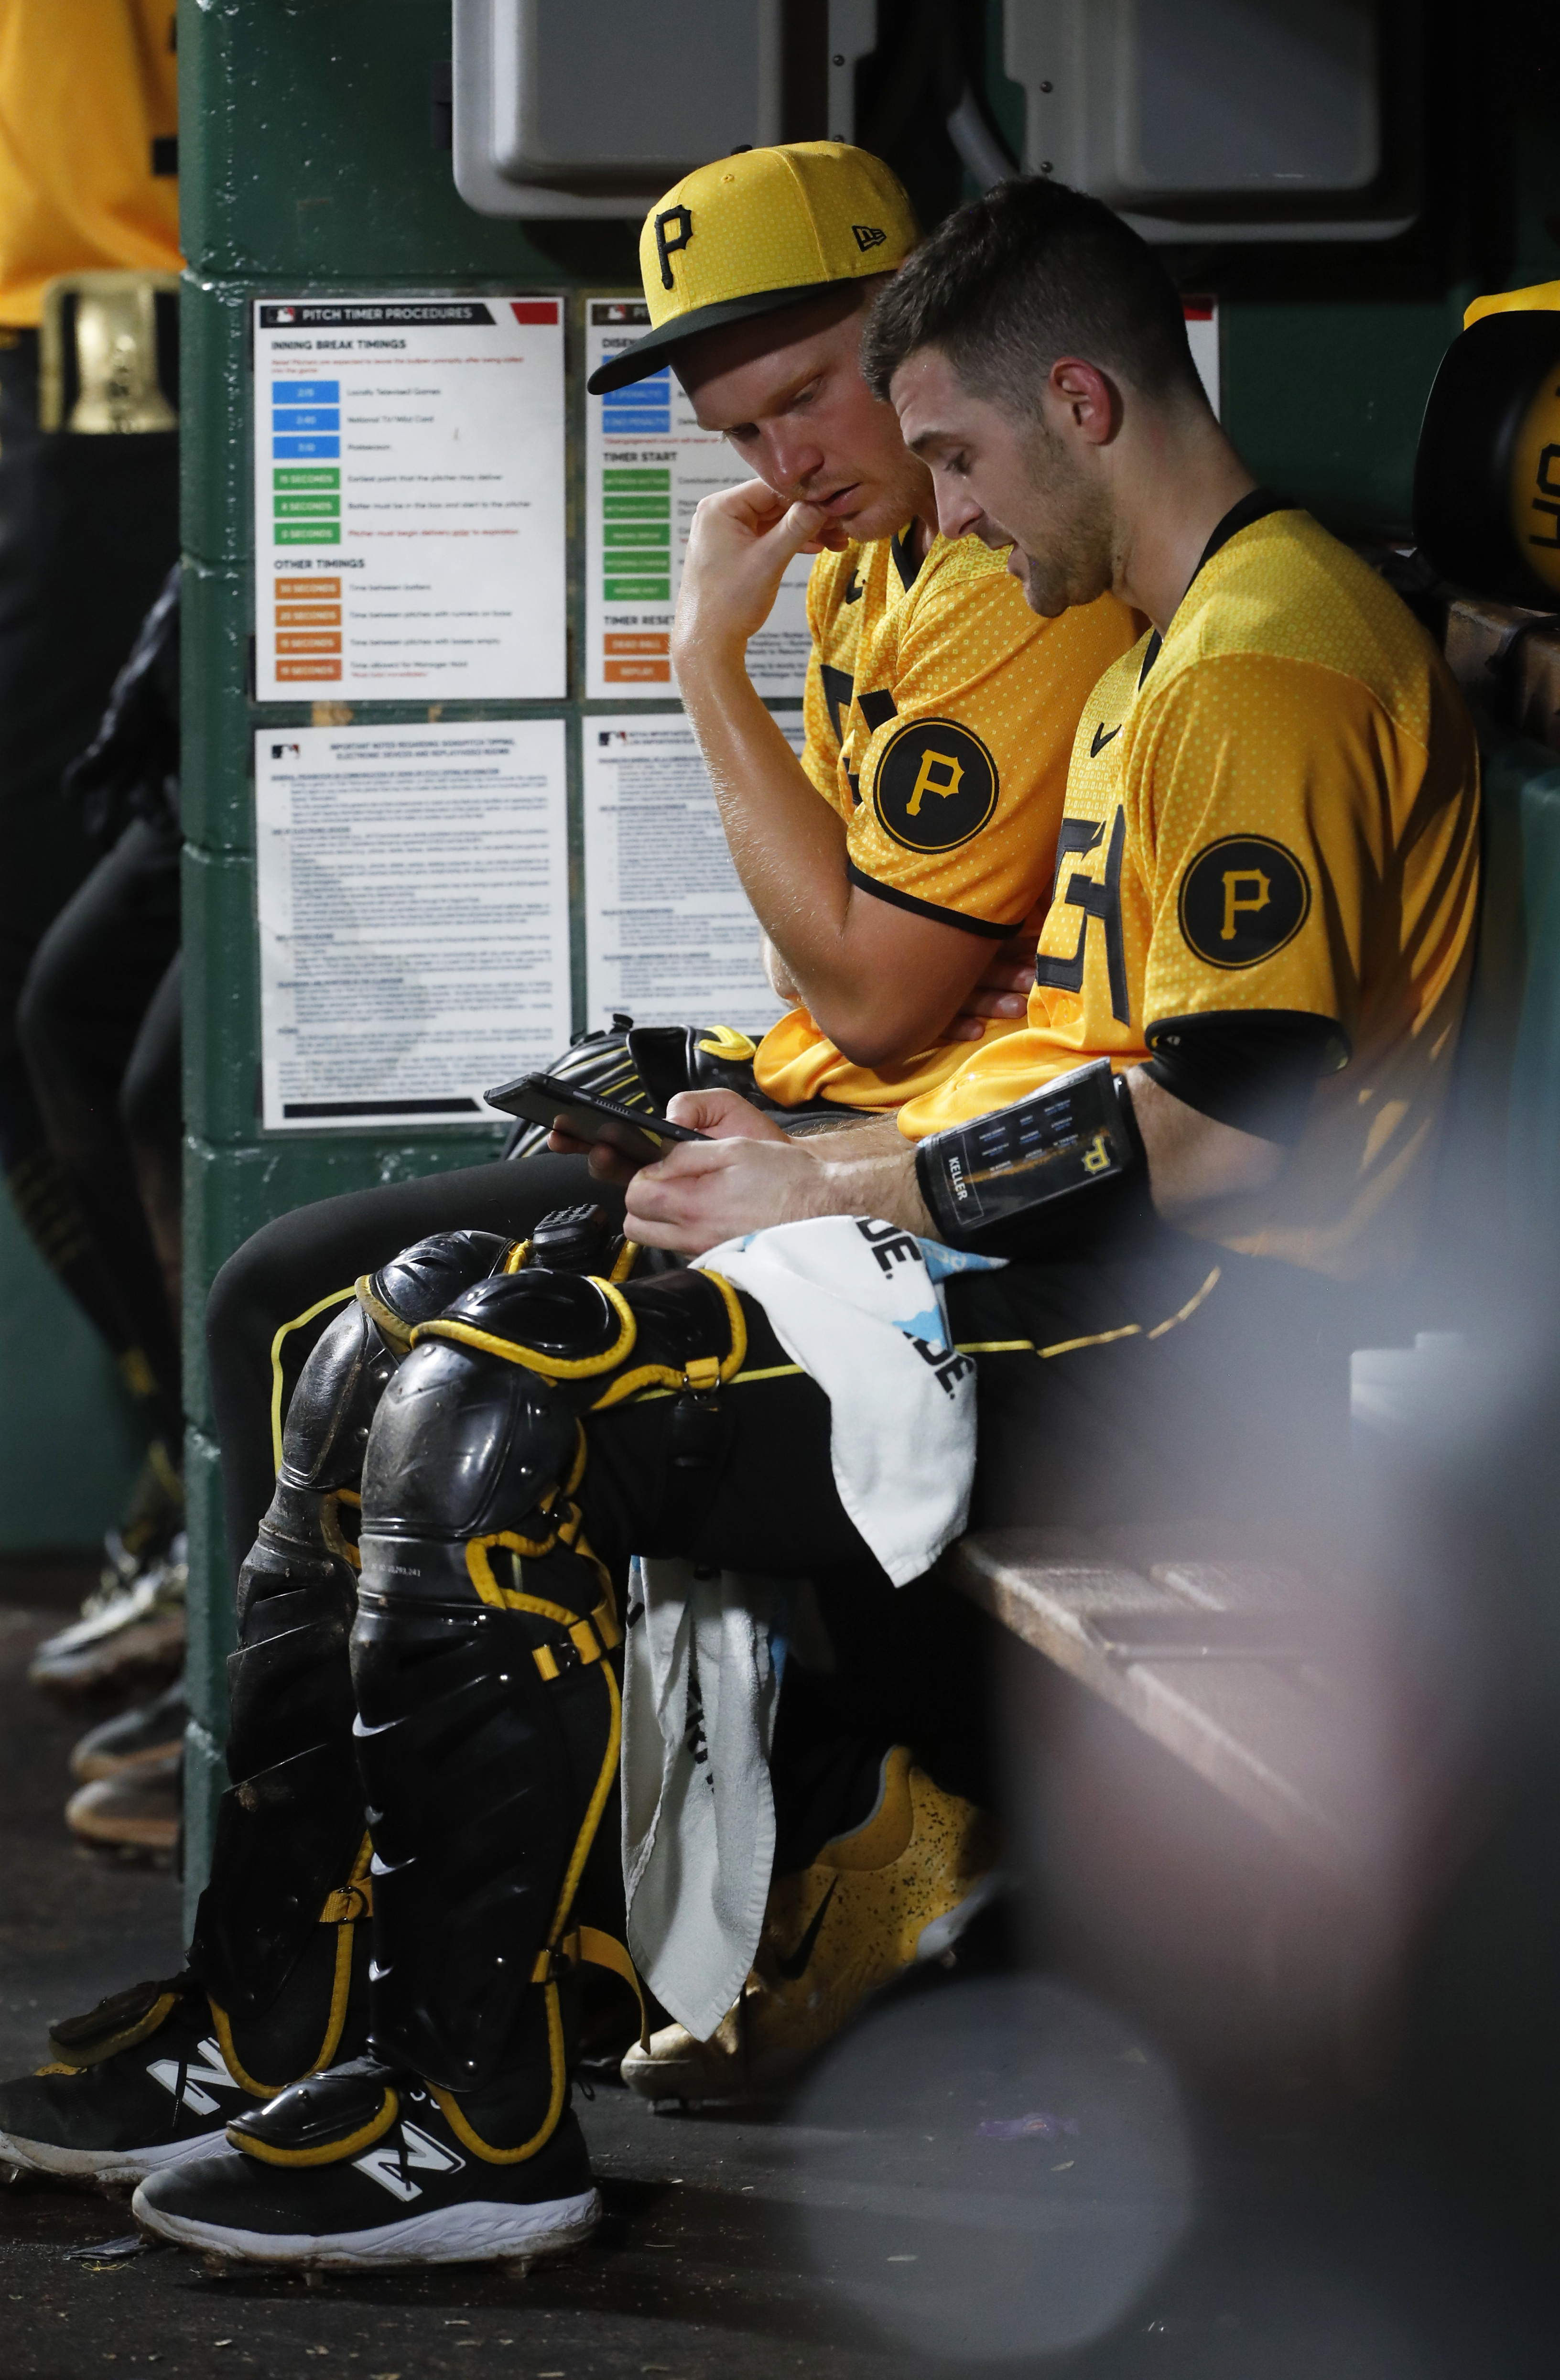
873, 1172
787, 844
1193, 1161
788, 848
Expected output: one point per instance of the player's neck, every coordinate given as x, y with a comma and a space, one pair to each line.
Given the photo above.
1174, 487
921, 530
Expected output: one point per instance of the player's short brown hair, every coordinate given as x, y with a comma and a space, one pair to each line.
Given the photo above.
1032, 272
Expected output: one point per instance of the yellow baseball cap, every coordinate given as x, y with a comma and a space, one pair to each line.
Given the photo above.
755, 231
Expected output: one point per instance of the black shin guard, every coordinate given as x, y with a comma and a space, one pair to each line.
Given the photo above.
275, 1931
482, 1657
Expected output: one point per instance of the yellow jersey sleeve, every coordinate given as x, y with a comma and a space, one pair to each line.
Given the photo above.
89, 113
961, 766
1248, 796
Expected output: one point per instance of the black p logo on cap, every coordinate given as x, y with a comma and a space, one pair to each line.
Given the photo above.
673, 229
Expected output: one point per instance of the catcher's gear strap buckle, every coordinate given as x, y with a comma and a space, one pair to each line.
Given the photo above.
591, 1638
352, 1901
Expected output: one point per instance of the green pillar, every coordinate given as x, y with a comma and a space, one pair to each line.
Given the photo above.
308, 166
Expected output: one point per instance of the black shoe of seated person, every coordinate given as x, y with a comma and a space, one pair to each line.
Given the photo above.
137, 2086
365, 2166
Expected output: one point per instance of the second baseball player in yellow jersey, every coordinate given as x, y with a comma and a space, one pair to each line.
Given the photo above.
940, 714
1262, 812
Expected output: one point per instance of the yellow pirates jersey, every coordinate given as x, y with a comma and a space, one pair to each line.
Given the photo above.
940, 713
89, 116
1275, 811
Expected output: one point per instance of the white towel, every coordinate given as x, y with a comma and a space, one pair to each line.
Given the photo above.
859, 1305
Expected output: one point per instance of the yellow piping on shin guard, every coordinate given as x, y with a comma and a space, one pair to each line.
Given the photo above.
542, 1971
343, 1909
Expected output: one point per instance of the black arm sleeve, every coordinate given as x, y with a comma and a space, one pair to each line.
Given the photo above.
1253, 1068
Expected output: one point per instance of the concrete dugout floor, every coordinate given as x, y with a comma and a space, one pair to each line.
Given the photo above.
1312, 2244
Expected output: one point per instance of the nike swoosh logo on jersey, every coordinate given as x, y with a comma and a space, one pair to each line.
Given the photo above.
854, 592
1102, 735
793, 1968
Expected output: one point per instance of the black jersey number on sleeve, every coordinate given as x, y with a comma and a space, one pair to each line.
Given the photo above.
839, 687
1101, 901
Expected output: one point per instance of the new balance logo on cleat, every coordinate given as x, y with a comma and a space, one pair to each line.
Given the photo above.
185, 2078
391, 2166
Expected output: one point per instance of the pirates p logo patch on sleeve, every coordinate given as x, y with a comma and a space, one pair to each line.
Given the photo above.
935, 786
1242, 899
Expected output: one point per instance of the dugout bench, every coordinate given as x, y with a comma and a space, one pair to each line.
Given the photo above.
1193, 1653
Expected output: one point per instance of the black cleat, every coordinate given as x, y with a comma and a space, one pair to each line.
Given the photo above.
362, 2167
139, 2084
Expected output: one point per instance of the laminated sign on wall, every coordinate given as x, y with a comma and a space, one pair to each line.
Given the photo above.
408, 461
669, 934
413, 890
647, 464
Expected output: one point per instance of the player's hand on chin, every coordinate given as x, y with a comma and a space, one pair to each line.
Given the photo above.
704, 1192
738, 547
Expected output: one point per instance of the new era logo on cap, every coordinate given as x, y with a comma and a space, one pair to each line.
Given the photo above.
868, 236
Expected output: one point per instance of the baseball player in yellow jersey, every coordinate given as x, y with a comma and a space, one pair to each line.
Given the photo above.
1266, 892
939, 711
1268, 868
